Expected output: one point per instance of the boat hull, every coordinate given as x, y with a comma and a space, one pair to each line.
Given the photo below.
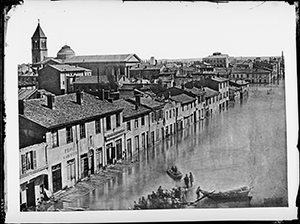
236, 194
177, 176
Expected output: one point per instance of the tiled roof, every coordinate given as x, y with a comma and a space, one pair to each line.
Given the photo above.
210, 92
129, 109
68, 68
195, 91
250, 71
67, 110
148, 102
90, 79
25, 93
29, 73
26, 83
46, 60
183, 98
101, 58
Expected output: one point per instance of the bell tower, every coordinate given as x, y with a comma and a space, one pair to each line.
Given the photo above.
39, 45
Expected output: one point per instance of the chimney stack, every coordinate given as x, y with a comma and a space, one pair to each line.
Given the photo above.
79, 97
137, 101
51, 102
101, 94
21, 107
106, 94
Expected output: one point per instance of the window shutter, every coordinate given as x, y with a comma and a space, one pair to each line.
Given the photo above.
34, 159
23, 160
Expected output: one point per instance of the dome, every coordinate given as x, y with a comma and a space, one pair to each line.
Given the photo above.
65, 52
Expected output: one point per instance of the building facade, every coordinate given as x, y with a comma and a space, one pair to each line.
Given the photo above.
81, 132
59, 78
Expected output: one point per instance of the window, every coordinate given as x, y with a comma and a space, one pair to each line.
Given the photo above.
71, 169
167, 114
69, 134
128, 126
170, 113
136, 123
54, 139
176, 111
118, 120
28, 161
108, 123
143, 120
82, 131
182, 108
98, 126
152, 116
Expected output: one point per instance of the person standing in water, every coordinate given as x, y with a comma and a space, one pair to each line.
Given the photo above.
186, 181
191, 179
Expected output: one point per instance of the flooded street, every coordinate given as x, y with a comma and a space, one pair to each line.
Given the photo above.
243, 145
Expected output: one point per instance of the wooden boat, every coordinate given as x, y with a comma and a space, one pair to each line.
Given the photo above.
175, 176
234, 194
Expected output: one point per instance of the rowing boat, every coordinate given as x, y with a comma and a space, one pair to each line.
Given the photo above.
175, 175
234, 194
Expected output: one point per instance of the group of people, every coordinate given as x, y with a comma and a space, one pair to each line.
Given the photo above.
162, 199
188, 180
174, 169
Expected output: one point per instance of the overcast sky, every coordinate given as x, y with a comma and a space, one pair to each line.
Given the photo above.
159, 29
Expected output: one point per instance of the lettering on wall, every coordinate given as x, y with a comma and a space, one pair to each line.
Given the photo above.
69, 153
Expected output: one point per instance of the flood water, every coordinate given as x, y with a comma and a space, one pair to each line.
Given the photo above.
245, 144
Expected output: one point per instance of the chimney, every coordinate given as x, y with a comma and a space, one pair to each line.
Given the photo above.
51, 102
79, 97
101, 94
106, 94
21, 107
137, 101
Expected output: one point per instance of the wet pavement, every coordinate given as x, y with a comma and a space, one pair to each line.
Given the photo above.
245, 144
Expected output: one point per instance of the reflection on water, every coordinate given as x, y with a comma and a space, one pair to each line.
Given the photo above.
243, 145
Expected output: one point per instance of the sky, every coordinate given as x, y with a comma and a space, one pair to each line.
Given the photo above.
169, 30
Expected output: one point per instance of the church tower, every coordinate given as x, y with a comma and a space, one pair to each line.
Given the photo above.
39, 45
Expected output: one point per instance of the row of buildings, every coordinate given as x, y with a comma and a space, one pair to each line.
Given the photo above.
66, 138
79, 114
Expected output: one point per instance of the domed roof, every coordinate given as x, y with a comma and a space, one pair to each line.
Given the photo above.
65, 52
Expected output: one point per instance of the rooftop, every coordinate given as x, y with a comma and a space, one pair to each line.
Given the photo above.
103, 58
91, 79
195, 91
25, 93
69, 68
129, 109
48, 59
219, 79
148, 102
210, 92
67, 110
39, 32
183, 98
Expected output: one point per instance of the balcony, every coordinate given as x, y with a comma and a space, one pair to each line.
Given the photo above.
114, 133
